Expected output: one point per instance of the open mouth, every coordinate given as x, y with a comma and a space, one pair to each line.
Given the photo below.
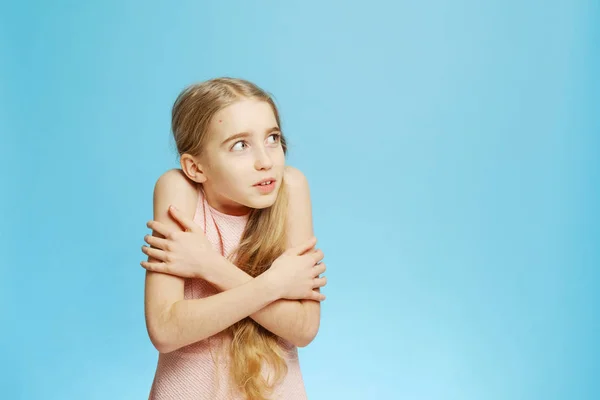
266, 186
265, 183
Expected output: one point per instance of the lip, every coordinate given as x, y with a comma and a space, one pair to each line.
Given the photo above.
264, 180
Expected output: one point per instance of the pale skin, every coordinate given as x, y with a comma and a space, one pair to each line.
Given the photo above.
286, 298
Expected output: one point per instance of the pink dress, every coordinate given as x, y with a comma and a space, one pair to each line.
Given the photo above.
199, 371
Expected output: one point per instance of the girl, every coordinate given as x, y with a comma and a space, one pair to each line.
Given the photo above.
233, 278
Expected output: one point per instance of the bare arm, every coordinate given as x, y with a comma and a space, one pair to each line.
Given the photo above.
208, 316
300, 228
283, 317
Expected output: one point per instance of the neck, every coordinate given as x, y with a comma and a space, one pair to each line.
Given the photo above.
235, 209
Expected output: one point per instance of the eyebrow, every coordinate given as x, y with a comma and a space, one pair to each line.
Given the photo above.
246, 134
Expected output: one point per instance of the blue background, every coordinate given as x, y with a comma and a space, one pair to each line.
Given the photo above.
452, 152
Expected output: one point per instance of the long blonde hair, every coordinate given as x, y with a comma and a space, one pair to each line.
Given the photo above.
264, 237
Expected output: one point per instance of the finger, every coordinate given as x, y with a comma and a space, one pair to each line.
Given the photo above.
186, 223
318, 269
304, 247
314, 295
159, 227
310, 251
317, 255
156, 241
319, 282
154, 266
154, 253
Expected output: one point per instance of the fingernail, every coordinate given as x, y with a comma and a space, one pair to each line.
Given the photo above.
173, 208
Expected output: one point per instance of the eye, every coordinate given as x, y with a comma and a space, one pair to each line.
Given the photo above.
277, 137
236, 143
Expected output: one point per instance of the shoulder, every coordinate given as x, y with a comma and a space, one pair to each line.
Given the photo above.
294, 178
174, 178
174, 187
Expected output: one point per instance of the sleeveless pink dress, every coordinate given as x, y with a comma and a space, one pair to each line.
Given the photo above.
199, 371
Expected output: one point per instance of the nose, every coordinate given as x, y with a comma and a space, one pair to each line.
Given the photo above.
263, 159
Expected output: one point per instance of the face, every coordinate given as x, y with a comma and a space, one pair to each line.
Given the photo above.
243, 149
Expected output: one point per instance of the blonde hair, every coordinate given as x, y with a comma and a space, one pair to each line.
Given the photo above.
264, 237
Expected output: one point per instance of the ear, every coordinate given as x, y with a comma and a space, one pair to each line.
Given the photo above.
192, 168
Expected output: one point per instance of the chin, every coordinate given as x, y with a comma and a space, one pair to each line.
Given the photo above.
264, 202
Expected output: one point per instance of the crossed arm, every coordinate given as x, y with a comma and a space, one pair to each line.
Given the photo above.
289, 319
174, 322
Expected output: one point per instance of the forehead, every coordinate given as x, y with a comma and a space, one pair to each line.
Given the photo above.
248, 115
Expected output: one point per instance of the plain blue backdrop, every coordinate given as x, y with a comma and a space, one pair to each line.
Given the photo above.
452, 153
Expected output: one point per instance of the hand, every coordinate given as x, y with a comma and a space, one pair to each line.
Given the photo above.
295, 273
186, 254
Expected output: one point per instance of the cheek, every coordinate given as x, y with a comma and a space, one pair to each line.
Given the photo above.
278, 156
234, 178
227, 168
